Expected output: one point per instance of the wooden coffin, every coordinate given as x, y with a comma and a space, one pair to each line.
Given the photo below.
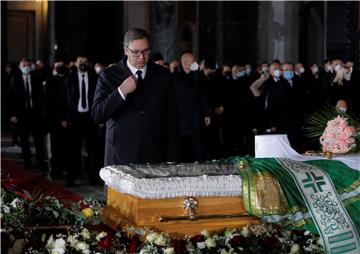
171, 215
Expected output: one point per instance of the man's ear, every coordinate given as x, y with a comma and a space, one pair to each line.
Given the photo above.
126, 51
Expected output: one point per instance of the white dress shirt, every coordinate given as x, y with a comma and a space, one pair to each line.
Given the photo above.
30, 88
133, 71
86, 78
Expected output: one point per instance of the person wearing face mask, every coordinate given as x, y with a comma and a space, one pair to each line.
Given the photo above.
193, 109
280, 105
26, 107
80, 87
313, 92
326, 76
342, 88
214, 91
239, 102
56, 120
226, 70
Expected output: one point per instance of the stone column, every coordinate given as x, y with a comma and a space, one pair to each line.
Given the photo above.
163, 28
278, 31
136, 14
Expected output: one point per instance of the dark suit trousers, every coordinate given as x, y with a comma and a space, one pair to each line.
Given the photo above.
28, 125
82, 129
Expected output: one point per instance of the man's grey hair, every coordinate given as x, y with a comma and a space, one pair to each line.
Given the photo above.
135, 34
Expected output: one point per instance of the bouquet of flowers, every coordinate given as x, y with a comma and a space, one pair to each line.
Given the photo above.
338, 131
338, 136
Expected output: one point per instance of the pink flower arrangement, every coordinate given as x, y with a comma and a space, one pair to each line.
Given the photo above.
338, 136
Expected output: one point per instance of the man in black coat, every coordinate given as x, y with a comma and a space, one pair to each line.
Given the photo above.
193, 110
79, 92
25, 109
135, 99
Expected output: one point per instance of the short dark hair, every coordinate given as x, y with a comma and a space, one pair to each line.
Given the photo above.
135, 34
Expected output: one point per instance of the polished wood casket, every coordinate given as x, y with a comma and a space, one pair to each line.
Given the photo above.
178, 199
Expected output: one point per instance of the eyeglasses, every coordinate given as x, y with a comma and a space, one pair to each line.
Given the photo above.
137, 53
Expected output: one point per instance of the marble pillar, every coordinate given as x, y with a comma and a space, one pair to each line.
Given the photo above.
163, 28
136, 14
278, 31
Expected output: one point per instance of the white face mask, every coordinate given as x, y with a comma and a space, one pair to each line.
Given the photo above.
302, 70
315, 70
194, 66
337, 67
25, 70
342, 109
347, 76
277, 73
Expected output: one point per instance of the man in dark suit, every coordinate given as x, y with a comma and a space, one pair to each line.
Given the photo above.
80, 88
192, 108
25, 106
135, 99
55, 118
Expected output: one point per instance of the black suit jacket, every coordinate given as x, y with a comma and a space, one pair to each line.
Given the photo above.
72, 94
143, 127
17, 97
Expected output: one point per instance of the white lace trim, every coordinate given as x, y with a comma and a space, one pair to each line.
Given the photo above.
170, 187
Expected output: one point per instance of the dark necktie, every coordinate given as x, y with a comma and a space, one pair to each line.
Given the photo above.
27, 93
83, 92
139, 77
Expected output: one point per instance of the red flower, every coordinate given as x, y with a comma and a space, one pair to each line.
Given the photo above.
271, 242
105, 242
133, 245
179, 245
237, 241
197, 238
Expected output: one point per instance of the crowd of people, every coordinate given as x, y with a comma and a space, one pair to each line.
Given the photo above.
216, 110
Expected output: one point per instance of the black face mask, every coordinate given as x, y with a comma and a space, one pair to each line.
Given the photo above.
61, 70
83, 67
227, 74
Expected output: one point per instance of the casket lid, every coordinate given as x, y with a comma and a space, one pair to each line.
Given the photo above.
156, 181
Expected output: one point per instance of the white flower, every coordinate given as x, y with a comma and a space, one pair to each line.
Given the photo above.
169, 251
307, 232
201, 245
210, 242
83, 247
72, 241
160, 240
245, 232
151, 237
101, 235
15, 202
320, 242
5, 208
223, 251
205, 233
295, 249
56, 247
85, 233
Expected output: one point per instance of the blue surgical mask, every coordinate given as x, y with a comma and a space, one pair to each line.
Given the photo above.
25, 70
242, 74
288, 75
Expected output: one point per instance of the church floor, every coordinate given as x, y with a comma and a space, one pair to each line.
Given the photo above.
11, 155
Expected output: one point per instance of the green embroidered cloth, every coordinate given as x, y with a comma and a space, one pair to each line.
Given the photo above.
321, 196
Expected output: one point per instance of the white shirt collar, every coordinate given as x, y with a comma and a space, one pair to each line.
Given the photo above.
134, 70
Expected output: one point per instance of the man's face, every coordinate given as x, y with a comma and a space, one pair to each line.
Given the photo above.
138, 53
186, 61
